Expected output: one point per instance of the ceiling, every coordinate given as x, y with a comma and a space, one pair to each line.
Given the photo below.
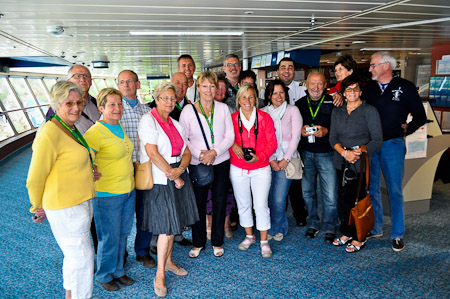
101, 27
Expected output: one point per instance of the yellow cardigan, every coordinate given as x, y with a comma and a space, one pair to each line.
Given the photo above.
60, 174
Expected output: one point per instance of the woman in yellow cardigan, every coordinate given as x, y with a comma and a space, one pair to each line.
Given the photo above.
61, 185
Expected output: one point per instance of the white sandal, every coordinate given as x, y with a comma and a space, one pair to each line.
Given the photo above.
218, 252
193, 253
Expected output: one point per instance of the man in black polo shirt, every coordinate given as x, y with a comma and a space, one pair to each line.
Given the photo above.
317, 157
394, 98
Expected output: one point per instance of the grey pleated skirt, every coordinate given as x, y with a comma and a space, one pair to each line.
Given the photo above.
168, 209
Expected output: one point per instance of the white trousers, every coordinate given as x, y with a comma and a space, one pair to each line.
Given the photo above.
71, 229
252, 184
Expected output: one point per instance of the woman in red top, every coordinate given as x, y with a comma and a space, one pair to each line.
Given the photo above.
250, 173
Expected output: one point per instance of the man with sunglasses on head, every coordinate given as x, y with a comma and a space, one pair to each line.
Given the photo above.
232, 69
394, 99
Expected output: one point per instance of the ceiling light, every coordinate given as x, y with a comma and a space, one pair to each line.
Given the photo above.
238, 33
153, 56
358, 42
390, 49
249, 12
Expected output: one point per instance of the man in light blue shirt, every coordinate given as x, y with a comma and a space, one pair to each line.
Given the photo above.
133, 110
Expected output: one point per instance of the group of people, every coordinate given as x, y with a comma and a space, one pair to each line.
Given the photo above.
202, 136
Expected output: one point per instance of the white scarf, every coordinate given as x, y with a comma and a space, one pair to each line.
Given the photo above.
277, 114
248, 124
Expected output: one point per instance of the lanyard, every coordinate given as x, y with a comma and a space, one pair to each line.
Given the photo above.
210, 124
313, 115
195, 93
179, 107
256, 130
77, 136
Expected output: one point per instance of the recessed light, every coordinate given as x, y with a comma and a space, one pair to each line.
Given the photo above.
249, 12
190, 33
358, 42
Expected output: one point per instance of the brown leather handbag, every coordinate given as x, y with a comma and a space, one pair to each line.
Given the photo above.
362, 213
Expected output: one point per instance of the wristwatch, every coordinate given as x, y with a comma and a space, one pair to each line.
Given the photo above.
182, 168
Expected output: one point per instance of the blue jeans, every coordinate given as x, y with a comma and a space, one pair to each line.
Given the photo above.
113, 220
277, 203
320, 164
391, 158
143, 238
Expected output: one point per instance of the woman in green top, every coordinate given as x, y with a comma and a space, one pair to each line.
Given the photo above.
115, 202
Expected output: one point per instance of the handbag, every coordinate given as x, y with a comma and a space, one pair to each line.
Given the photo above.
294, 169
362, 213
143, 176
201, 174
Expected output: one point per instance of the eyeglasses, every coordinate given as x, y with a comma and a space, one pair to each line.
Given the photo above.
233, 64
372, 65
78, 76
355, 89
167, 99
73, 103
122, 82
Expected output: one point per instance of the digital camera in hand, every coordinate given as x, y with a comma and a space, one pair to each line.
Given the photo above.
247, 152
310, 131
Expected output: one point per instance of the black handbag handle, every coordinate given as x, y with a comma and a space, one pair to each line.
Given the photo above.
361, 169
201, 127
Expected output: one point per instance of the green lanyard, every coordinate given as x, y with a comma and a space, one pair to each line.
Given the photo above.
77, 136
210, 124
313, 115
185, 102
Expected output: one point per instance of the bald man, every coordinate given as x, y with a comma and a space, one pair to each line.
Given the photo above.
317, 157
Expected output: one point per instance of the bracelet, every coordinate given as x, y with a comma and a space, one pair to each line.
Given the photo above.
345, 154
182, 168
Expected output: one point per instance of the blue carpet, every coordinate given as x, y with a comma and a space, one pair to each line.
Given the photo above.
31, 260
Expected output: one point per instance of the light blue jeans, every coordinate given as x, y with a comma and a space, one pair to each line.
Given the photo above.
391, 158
277, 203
113, 220
320, 164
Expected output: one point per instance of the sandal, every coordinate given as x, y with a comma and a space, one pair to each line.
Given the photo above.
247, 243
340, 242
351, 248
194, 252
265, 250
228, 233
218, 251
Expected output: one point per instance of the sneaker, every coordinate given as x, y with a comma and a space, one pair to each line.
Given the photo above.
247, 243
265, 250
398, 244
371, 235
278, 237
311, 233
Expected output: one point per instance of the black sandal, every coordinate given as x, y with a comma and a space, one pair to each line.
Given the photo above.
353, 248
340, 242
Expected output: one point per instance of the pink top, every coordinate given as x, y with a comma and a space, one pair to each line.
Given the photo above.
291, 127
265, 145
171, 132
222, 130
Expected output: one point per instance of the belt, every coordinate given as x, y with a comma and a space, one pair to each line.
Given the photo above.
175, 159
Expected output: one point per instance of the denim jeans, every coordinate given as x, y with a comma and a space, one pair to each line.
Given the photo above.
143, 238
277, 203
320, 164
113, 220
391, 158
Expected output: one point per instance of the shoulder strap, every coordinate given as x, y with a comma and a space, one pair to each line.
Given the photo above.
364, 160
201, 127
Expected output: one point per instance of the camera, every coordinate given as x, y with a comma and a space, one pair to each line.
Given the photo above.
247, 152
310, 131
